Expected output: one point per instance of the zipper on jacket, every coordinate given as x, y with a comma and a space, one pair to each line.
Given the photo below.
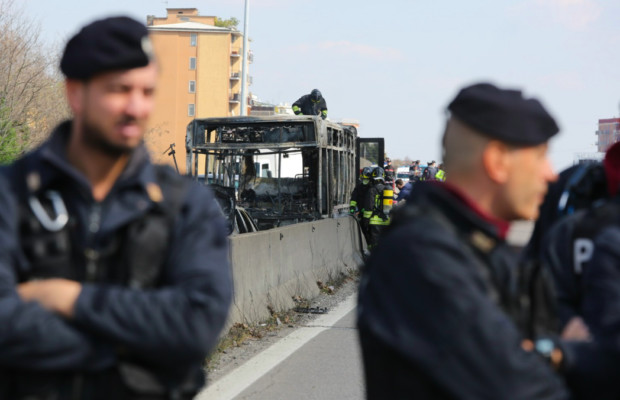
91, 254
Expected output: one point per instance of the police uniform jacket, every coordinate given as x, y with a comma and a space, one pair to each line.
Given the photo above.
581, 252
440, 315
167, 326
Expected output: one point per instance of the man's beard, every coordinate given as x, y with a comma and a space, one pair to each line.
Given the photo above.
96, 139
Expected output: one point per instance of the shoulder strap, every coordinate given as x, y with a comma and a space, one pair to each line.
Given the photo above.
150, 235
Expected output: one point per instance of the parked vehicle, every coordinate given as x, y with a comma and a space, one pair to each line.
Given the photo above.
403, 173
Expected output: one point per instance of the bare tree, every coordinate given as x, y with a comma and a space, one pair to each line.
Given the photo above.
31, 95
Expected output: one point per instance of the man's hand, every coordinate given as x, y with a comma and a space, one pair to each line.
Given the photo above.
56, 295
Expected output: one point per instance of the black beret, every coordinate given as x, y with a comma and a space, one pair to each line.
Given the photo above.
503, 114
110, 44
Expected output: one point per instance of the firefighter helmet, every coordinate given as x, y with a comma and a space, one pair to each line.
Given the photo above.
315, 95
378, 174
366, 173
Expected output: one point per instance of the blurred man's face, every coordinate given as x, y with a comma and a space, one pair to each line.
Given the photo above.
113, 108
528, 177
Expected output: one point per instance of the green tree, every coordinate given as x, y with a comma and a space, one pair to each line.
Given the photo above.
12, 142
31, 91
231, 22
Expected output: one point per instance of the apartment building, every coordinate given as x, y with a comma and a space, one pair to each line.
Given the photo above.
200, 77
608, 133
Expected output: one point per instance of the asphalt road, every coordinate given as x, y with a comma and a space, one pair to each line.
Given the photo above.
327, 367
320, 360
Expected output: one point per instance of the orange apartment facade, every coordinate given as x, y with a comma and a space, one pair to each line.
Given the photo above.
200, 77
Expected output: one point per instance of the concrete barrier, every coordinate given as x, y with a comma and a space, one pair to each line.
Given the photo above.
273, 266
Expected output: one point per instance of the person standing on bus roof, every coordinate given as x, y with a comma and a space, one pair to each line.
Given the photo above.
311, 104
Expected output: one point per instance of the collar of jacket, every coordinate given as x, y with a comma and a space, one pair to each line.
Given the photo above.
138, 172
459, 208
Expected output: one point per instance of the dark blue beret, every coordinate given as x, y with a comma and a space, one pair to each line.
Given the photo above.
109, 44
503, 114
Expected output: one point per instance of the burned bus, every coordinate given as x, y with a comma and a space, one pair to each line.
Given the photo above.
279, 170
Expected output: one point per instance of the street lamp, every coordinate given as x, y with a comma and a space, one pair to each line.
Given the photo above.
244, 65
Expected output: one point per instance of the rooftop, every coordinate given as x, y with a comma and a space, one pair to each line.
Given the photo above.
189, 26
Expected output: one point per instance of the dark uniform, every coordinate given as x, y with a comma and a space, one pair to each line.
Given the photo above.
377, 216
361, 203
389, 172
443, 310
151, 260
311, 104
580, 251
156, 289
453, 296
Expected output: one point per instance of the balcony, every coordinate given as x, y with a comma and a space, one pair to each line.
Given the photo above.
234, 98
235, 76
235, 53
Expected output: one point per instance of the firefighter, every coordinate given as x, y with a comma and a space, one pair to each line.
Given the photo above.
311, 104
389, 170
382, 197
441, 174
361, 205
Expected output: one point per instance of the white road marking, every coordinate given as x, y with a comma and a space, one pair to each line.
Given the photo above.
236, 381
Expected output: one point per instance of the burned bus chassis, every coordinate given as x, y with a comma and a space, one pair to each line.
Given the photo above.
231, 154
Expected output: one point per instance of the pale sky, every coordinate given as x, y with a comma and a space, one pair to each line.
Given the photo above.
394, 65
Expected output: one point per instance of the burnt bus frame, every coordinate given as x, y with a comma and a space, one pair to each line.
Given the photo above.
335, 145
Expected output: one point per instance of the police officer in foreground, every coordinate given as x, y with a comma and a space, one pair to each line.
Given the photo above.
119, 283
448, 318
311, 104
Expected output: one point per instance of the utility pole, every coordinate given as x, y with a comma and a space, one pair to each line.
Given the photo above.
244, 65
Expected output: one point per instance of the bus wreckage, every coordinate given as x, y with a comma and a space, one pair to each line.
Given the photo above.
284, 182
275, 171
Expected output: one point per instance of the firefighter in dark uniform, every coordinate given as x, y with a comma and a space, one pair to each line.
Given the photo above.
311, 104
361, 202
443, 313
116, 283
382, 196
389, 171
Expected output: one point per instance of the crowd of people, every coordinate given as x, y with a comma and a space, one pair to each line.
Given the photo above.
377, 192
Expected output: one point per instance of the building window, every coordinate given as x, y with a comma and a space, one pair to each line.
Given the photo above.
192, 63
184, 19
191, 110
193, 39
192, 86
